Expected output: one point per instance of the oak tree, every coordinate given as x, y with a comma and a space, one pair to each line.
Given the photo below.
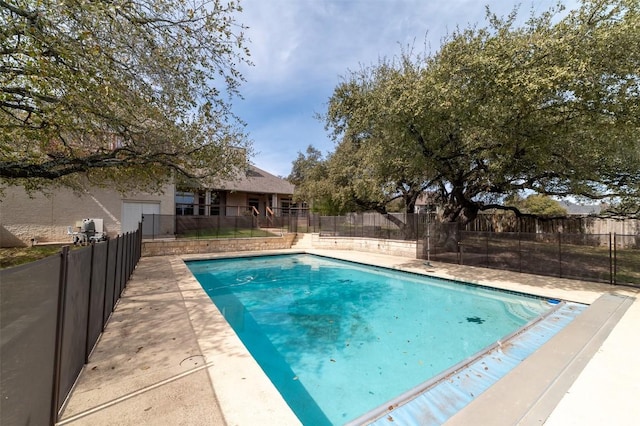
127, 93
311, 176
549, 107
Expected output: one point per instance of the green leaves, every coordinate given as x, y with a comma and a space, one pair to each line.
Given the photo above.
538, 205
550, 107
128, 91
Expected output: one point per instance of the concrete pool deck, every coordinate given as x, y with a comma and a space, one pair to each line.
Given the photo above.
168, 357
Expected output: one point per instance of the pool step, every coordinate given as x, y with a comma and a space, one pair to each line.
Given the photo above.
302, 241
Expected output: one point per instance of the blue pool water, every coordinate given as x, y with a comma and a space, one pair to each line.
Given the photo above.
338, 339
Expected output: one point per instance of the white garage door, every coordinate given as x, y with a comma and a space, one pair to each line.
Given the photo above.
132, 213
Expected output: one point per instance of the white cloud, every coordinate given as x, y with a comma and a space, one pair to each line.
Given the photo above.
318, 40
301, 48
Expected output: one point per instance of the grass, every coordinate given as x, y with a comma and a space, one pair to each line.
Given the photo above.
10, 257
227, 233
541, 257
15, 256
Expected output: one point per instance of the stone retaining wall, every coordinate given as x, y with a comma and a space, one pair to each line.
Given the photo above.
221, 245
215, 245
372, 245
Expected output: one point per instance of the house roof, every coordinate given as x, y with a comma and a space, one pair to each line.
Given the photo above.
257, 181
581, 209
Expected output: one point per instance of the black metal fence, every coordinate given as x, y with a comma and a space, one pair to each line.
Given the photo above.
398, 226
610, 258
52, 312
391, 226
157, 226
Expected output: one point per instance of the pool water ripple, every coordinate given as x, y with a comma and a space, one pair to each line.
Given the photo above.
339, 339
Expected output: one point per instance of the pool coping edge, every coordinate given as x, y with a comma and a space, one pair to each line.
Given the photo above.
545, 376
594, 292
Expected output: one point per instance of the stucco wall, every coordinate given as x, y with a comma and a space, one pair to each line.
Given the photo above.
236, 199
46, 217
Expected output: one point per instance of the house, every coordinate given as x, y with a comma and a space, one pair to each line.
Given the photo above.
40, 218
254, 190
574, 209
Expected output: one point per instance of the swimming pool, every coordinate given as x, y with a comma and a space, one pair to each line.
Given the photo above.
338, 339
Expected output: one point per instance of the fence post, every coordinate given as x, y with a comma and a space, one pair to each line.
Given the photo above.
255, 223
610, 259
416, 229
106, 275
519, 252
87, 334
460, 243
57, 362
615, 258
129, 257
132, 247
486, 249
139, 242
560, 253
116, 274
122, 247
386, 224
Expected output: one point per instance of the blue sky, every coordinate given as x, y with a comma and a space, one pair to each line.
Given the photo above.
302, 48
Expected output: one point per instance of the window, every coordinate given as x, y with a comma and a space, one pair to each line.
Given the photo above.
189, 203
286, 206
255, 203
184, 203
202, 202
217, 198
